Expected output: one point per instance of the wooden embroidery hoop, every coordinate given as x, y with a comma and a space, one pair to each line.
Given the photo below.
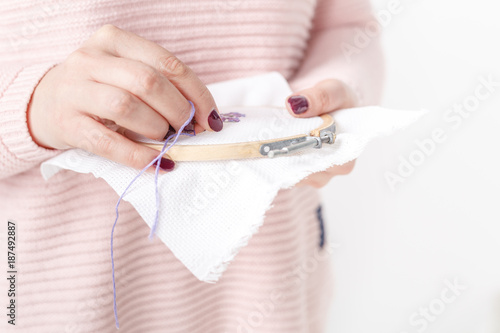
325, 133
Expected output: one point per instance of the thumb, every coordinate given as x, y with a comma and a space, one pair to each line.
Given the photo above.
324, 97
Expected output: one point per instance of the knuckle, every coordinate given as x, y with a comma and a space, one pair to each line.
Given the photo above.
77, 58
173, 66
323, 99
148, 80
134, 158
121, 104
106, 32
102, 142
205, 95
183, 114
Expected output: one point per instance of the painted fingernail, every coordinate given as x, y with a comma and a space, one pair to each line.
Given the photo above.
214, 121
298, 104
165, 164
171, 131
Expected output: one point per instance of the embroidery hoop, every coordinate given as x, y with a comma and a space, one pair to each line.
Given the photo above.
325, 133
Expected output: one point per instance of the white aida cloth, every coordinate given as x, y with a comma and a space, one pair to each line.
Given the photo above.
201, 235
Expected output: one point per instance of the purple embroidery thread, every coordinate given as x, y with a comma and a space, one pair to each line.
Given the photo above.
231, 117
165, 148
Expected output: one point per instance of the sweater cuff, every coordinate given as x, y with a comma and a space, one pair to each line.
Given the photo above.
14, 131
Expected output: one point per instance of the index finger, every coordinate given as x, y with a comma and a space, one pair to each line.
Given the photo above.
129, 45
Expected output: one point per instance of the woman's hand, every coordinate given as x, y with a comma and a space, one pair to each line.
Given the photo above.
117, 77
324, 97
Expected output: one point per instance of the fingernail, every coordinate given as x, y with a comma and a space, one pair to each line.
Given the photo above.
171, 131
165, 164
298, 104
214, 121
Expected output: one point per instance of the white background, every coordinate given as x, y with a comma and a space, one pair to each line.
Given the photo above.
398, 247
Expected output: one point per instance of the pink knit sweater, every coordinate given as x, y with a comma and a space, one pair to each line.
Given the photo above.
279, 283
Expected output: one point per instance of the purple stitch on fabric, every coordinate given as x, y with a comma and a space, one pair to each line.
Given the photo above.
231, 117
165, 148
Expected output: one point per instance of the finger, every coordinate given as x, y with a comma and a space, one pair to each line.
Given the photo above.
320, 179
326, 96
128, 45
144, 82
340, 170
122, 107
96, 138
198, 129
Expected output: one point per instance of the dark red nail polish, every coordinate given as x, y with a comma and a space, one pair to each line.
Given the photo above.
298, 104
166, 164
214, 121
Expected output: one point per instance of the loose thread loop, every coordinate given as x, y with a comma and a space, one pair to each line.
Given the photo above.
165, 148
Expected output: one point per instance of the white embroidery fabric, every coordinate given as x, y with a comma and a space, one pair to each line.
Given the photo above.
259, 123
202, 236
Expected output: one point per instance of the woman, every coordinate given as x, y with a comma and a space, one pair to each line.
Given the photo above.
70, 69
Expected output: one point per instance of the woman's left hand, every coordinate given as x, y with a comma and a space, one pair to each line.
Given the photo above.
324, 97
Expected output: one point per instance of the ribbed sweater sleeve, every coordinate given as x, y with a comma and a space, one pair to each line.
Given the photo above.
18, 151
340, 49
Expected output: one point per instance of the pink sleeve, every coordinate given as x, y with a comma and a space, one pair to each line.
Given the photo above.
18, 152
344, 45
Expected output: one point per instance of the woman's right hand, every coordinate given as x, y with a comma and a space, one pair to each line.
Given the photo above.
120, 77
